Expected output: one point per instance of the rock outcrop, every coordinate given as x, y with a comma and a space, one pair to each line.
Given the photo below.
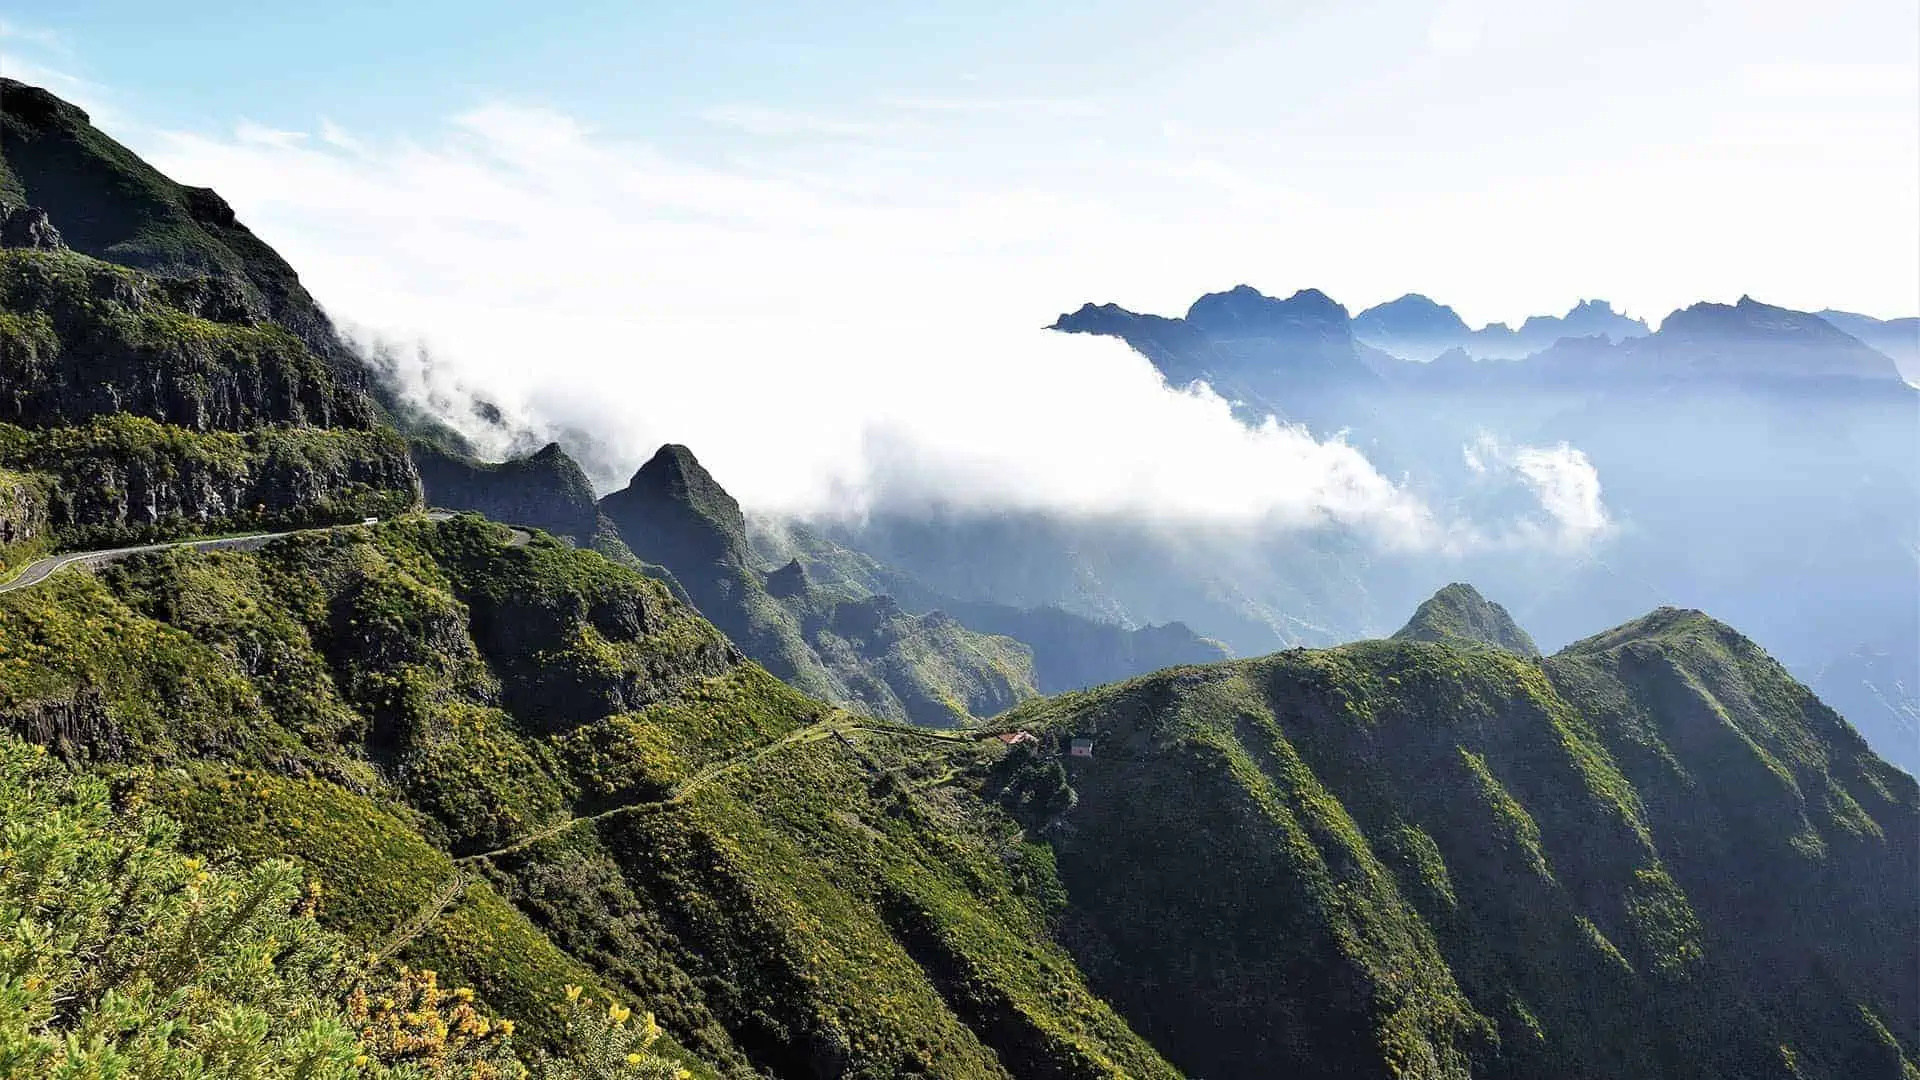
28, 227
545, 490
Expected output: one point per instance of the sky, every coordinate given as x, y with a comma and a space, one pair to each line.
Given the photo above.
811, 240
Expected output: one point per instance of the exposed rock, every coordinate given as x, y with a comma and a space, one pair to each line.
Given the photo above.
128, 480
23, 512
675, 513
95, 339
78, 727
546, 489
789, 581
28, 227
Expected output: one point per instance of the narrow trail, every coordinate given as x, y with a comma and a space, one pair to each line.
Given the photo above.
832, 727
429, 913
41, 569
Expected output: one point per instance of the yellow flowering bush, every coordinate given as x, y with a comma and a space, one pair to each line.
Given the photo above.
122, 957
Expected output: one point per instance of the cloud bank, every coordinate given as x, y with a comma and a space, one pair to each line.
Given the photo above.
827, 341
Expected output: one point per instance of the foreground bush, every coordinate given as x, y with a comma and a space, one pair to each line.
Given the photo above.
122, 957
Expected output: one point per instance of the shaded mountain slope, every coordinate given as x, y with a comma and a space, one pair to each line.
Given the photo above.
1652, 854
1414, 327
546, 489
1896, 338
1265, 354
1458, 613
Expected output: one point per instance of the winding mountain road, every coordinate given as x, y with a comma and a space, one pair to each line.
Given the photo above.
41, 569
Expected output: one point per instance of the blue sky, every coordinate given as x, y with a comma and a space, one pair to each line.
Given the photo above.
675, 223
634, 67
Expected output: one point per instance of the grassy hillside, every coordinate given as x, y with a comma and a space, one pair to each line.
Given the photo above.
788, 887
1458, 613
1653, 854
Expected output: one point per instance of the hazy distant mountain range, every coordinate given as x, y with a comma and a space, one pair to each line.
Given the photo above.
1416, 328
1242, 338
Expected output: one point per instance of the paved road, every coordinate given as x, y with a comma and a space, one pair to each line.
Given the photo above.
42, 569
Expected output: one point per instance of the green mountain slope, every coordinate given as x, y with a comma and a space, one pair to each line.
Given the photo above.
526, 766
1652, 854
1459, 613
791, 888
109, 204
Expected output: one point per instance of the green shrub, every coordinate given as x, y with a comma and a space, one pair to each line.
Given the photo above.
123, 957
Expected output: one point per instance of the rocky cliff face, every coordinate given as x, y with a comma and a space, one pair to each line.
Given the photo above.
84, 338
28, 227
162, 371
546, 489
23, 516
154, 407
125, 479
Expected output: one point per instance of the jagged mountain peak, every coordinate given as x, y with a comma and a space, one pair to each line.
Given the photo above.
546, 489
1458, 613
675, 507
1089, 312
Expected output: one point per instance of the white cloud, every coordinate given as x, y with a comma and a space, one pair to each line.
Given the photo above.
1561, 480
820, 352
